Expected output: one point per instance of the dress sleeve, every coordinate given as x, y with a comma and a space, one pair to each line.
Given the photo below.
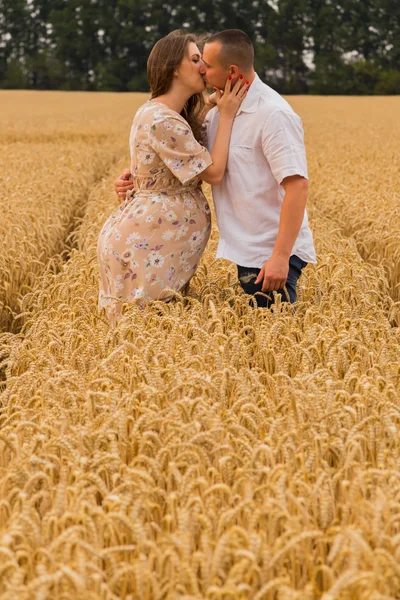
283, 145
173, 140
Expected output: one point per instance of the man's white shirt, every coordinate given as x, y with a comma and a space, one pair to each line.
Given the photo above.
267, 145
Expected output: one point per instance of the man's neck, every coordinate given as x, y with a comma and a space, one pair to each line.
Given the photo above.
250, 77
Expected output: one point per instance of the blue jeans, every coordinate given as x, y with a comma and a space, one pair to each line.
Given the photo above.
248, 275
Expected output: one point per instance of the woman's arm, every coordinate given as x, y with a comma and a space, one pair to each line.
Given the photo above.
228, 105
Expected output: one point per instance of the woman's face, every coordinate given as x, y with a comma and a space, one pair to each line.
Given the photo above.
191, 70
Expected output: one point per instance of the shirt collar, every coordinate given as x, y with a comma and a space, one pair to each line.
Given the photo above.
250, 103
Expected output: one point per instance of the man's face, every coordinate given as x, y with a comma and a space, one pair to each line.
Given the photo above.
216, 74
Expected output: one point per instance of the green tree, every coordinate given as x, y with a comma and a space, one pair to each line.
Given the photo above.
388, 83
287, 34
104, 44
15, 76
387, 23
74, 40
14, 23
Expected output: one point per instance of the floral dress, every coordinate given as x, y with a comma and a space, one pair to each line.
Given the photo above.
153, 241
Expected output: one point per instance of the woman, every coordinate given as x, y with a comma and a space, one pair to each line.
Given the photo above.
153, 241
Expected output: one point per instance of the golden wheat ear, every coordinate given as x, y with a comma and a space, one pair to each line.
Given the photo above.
202, 448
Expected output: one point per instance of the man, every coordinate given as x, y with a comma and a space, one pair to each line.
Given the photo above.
260, 202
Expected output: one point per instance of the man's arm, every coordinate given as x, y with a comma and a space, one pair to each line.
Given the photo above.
275, 271
283, 147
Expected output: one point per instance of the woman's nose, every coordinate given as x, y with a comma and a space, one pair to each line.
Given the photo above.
202, 67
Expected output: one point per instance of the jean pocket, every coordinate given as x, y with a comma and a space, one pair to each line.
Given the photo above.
297, 262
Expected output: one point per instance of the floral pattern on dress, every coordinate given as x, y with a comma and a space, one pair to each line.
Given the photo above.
153, 241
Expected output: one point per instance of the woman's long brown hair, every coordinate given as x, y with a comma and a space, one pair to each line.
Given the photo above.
165, 57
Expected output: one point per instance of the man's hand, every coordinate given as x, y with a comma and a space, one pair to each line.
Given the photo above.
274, 273
124, 183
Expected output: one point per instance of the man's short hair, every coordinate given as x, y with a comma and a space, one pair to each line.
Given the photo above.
236, 48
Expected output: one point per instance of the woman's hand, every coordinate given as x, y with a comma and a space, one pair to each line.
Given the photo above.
212, 98
229, 101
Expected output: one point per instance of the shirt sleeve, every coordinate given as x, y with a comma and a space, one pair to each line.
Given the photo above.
283, 145
173, 140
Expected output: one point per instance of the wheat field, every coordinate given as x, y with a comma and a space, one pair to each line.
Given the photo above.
204, 448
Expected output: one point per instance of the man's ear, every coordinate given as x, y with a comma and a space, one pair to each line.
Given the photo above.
234, 71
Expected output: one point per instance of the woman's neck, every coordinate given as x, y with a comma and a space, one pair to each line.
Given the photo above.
174, 99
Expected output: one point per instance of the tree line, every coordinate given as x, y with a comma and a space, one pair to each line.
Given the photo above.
302, 46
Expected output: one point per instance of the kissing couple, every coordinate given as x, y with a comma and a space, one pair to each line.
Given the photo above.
249, 147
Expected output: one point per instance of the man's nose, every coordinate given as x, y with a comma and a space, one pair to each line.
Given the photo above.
202, 67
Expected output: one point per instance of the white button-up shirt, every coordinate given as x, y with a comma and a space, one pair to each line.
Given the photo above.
267, 145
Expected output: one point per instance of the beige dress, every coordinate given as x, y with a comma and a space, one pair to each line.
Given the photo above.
153, 241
